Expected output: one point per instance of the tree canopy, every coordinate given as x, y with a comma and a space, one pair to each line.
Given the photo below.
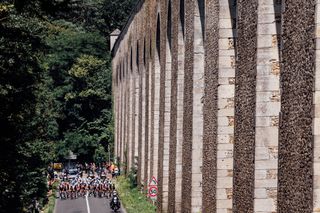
55, 89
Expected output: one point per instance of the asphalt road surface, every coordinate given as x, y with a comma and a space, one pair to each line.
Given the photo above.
84, 205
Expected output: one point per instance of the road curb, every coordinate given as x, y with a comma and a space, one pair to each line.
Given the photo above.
124, 210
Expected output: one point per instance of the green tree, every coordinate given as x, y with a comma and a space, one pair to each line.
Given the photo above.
100, 155
55, 89
24, 159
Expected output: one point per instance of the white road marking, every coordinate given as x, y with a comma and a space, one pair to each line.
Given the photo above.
87, 201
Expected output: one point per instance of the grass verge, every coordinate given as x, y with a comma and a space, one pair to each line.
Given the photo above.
49, 208
131, 198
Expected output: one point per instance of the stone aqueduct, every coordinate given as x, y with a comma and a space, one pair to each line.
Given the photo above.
220, 100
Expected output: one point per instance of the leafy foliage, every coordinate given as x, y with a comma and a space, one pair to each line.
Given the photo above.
55, 89
80, 68
133, 200
24, 159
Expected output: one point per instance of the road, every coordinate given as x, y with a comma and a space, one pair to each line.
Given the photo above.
84, 205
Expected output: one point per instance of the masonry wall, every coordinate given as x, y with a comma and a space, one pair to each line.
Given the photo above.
219, 100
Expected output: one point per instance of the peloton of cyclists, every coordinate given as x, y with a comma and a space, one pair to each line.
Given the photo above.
79, 187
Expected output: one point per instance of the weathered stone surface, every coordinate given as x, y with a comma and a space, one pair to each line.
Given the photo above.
200, 107
295, 139
243, 185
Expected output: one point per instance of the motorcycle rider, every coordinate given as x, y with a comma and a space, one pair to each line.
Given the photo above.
115, 202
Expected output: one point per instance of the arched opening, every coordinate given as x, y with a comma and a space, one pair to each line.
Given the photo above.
144, 52
120, 72
233, 18
127, 65
137, 57
169, 25
182, 16
117, 76
201, 5
150, 48
158, 38
131, 59
122, 69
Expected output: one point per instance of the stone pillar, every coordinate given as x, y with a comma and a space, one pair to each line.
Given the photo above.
136, 114
150, 147
226, 93
125, 111
133, 116
198, 93
128, 108
267, 109
130, 104
296, 153
156, 116
116, 117
180, 83
165, 180
147, 121
245, 101
124, 100
113, 37
316, 119
187, 145
117, 145
121, 115
143, 114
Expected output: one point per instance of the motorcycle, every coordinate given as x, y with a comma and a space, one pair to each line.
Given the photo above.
115, 204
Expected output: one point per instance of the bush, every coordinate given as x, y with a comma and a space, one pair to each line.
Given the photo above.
49, 208
133, 177
132, 199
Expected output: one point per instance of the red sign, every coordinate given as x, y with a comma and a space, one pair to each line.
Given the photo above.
153, 181
153, 191
153, 188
